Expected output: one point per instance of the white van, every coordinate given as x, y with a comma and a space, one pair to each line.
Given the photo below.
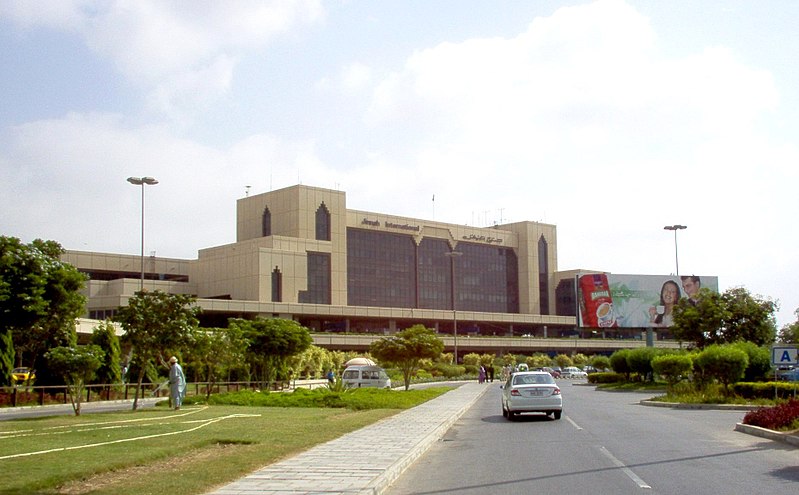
366, 376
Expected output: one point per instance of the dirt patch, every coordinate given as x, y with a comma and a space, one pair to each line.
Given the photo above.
124, 476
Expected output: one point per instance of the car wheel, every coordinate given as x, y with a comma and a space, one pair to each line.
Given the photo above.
557, 414
504, 412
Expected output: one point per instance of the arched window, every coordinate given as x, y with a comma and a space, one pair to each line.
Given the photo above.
322, 223
277, 285
266, 222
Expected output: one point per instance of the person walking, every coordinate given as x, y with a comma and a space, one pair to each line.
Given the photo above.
177, 383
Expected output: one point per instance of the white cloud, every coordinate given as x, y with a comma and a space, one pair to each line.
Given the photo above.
182, 53
65, 180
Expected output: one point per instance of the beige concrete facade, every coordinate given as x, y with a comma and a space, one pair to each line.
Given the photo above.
237, 278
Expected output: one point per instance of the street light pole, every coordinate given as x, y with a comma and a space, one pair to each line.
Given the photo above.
452, 255
675, 228
142, 181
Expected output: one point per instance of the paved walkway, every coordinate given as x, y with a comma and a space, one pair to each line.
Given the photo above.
350, 465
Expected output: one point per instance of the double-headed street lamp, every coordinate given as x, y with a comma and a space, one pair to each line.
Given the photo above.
142, 181
675, 228
452, 255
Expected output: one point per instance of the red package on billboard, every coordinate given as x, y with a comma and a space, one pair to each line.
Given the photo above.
596, 303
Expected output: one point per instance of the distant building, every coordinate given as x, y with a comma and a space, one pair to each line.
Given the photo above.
301, 254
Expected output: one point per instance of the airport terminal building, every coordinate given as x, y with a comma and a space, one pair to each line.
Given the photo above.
301, 254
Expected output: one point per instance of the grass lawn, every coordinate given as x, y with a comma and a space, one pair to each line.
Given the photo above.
159, 451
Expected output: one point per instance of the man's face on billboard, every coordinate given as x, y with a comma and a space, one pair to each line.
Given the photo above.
690, 287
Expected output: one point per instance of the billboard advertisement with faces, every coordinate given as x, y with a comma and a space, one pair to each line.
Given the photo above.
634, 301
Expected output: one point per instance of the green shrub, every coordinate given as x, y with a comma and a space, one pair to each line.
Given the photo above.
759, 361
606, 377
640, 361
672, 367
447, 370
600, 362
766, 390
724, 363
618, 362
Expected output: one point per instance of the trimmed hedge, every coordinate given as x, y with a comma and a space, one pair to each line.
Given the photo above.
608, 377
766, 390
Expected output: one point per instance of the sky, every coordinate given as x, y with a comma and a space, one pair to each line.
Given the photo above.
609, 119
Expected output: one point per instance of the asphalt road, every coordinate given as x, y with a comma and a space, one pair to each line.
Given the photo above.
605, 443
8, 413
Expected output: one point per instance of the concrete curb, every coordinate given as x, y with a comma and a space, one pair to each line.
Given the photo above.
789, 438
393, 472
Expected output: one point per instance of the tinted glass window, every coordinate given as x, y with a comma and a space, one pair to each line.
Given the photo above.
319, 286
322, 223
266, 223
380, 269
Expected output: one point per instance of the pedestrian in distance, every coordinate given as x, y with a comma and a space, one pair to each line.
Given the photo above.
481, 375
177, 383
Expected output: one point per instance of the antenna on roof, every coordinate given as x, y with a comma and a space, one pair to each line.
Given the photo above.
247, 191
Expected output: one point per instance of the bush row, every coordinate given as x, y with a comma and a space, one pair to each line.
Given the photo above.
774, 418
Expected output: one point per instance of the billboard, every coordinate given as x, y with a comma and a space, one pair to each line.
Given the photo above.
634, 301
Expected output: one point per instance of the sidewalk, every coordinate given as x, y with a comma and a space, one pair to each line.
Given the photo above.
366, 461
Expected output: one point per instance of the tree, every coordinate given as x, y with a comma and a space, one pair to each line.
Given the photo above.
618, 362
600, 362
640, 361
789, 334
6, 357
724, 318
76, 365
672, 367
105, 337
270, 343
214, 351
701, 322
471, 359
39, 301
563, 360
724, 363
156, 325
759, 360
749, 317
405, 349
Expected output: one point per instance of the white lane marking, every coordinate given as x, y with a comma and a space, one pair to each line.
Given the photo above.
641, 483
573, 423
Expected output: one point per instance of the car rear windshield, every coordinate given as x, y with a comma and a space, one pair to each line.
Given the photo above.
533, 379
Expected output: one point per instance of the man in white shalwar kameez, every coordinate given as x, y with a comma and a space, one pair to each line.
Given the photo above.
177, 383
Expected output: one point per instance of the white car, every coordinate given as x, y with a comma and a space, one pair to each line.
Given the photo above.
531, 391
573, 372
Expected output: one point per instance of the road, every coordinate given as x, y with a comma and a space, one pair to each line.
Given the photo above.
605, 443
9, 413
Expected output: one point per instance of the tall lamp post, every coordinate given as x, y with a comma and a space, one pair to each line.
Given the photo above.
675, 228
142, 181
452, 255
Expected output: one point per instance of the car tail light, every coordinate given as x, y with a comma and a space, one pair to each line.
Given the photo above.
515, 392
556, 391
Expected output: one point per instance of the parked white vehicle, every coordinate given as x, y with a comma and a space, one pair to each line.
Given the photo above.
572, 372
366, 376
